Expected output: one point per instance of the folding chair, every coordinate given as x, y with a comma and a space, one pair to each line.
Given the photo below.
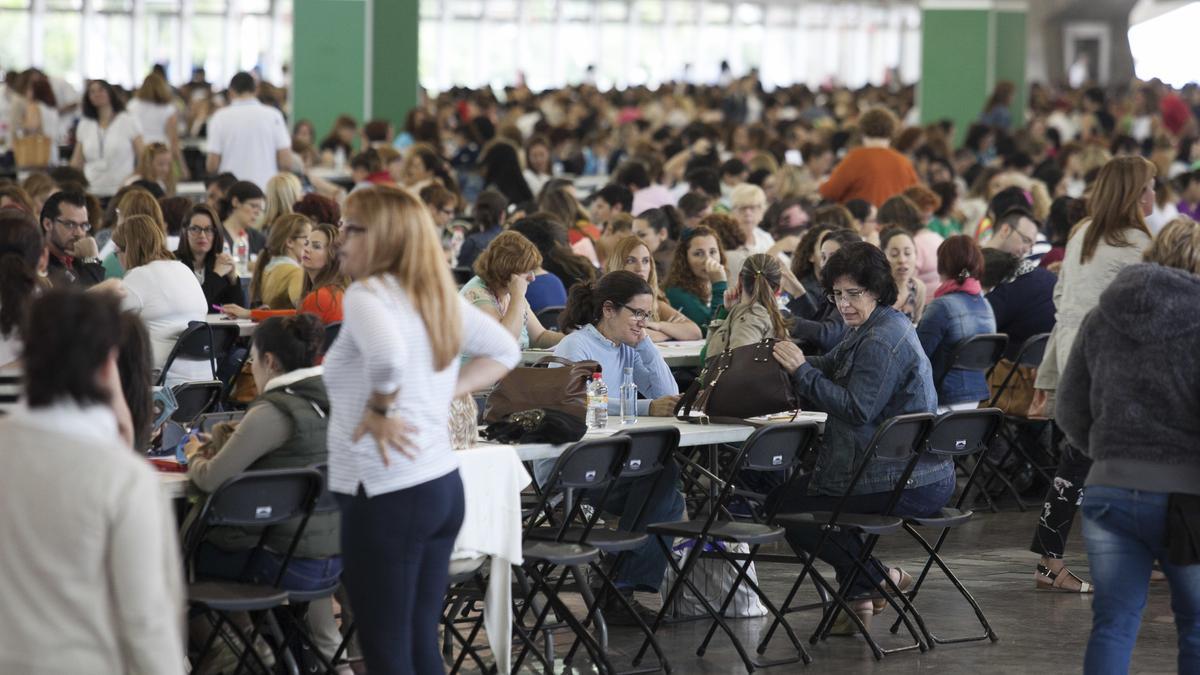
774, 447
585, 468
651, 449
253, 499
1030, 355
954, 435
899, 439
200, 341
331, 333
462, 275
195, 399
548, 316
463, 607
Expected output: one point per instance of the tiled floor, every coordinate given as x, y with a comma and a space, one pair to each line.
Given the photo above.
1039, 632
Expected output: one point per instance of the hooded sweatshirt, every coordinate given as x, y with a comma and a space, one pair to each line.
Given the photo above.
1130, 394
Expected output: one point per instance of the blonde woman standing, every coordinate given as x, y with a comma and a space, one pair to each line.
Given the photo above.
390, 376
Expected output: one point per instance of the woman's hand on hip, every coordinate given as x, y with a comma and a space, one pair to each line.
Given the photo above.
789, 355
388, 432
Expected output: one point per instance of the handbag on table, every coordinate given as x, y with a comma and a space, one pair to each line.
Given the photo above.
537, 426
737, 384
541, 387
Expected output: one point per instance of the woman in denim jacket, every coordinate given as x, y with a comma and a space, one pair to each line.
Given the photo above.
958, 311
877, 372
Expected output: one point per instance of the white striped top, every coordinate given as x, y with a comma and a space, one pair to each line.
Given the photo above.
383, 347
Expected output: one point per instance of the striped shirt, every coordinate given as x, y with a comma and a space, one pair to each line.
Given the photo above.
383, 347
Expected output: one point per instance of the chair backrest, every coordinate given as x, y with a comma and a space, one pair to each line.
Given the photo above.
462, 274
899, 439
650, 448
589, 464
548, 316
964, 432
331, 333
195, 399
977, 353
1033, 349
201, 341
778, 447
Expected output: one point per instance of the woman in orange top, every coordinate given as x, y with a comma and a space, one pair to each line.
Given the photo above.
324, 284
875, 171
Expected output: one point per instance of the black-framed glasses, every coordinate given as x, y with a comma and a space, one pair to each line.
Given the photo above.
84, 227
200, 231
639, 314
850, 295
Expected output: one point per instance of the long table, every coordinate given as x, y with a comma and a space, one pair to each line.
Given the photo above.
683, 354
245, 326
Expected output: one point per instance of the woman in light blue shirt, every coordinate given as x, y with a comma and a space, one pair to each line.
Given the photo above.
606, 321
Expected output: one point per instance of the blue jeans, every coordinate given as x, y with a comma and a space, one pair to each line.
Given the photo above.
261, 567
925, 500
643, 568
1125, 532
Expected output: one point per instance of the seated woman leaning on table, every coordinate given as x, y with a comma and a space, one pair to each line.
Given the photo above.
502, 274
608, 325
666, 322
283, 428
877, 372
324, 284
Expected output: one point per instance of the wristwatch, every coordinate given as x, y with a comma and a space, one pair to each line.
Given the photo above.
91, 261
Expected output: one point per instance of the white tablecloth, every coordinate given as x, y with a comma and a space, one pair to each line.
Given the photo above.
493, 478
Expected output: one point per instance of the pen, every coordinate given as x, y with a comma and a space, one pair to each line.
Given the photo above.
217, 307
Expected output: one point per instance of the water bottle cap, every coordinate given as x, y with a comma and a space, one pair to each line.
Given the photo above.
595, 376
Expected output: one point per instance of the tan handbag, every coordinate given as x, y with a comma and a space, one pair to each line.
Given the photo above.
539, 386
1018, 395
32, 151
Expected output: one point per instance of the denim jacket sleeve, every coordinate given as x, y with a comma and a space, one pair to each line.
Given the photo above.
932, 328
871, 376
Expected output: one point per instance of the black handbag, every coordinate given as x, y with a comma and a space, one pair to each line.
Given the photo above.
536, 426
1183, 529
739, 383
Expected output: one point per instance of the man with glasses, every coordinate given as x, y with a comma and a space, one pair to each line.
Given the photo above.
1020, 291
74, 258
1016, 232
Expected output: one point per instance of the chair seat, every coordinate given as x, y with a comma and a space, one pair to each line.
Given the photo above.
868, 523
727, 531
609, 541
947, 517
558, 553
233, 596
313, 595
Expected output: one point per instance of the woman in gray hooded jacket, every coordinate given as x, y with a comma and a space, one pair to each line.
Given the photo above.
1129, 399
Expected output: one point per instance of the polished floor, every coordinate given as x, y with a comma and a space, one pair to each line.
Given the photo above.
1039, 632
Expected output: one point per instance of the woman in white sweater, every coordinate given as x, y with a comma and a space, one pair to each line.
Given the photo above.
390, 376
164, 293
1113, 237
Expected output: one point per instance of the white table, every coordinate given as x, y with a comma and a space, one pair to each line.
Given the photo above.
330, 174
245, 326
192, 189
683, 354
173, 484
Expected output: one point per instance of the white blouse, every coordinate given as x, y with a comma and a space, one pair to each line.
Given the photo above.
383, 347
167, 296
152, 118
108, 155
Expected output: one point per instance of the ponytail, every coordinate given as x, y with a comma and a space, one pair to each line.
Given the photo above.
295, 340
761, 276
581, 307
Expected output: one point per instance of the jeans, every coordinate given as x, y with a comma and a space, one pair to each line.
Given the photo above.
1125, 532
925, 500
261, 567
396, 548
643, 568
1062, 499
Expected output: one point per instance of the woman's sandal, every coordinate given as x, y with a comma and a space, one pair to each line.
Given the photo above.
1047, 580
905, 581
844, 625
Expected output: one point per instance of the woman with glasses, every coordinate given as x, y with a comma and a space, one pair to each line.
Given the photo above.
201, 248
278, 280
391, 376
324, 284
878, 371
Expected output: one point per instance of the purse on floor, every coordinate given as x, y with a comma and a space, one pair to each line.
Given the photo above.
541, 387
737, 384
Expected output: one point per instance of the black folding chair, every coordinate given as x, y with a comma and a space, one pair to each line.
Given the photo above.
899, 439
462, 275
194, 400
331, 333
979, 353
201, 341
587, 469
461, 611
253, 499
548, 316
954, 435
1030, 355
774, 447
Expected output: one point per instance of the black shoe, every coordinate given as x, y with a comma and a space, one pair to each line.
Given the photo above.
616, 613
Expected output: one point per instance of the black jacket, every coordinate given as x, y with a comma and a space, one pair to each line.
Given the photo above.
81, 273
220, 290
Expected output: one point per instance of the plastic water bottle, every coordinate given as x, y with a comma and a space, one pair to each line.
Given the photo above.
628, 398
597, 411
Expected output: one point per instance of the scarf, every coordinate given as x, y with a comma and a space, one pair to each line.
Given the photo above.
969, 286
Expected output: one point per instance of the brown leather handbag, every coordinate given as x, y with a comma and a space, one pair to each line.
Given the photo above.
739, 383
539, 386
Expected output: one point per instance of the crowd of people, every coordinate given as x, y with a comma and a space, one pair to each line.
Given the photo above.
867, 244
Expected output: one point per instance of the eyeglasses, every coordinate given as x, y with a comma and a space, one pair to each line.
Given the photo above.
198, 231
638, 314
446, 212
849, 296
84, 227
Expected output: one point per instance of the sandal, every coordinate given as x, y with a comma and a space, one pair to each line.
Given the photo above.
844, 625
1047, 580
903, 583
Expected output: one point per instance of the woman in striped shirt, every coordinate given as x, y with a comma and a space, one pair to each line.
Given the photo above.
390, 376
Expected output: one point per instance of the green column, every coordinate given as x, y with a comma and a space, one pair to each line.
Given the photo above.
967, 46
357, 57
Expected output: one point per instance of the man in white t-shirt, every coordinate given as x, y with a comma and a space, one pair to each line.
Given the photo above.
246, 138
